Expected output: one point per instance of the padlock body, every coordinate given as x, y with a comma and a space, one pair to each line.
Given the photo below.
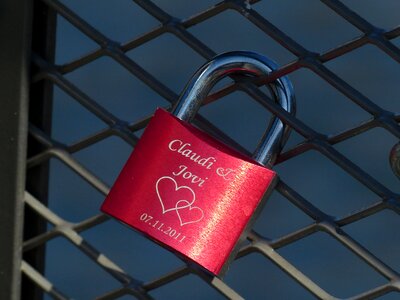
188, 192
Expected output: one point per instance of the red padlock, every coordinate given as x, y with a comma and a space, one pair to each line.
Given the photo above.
186, 190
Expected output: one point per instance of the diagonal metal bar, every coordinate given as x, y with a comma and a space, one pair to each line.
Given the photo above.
42, 282
66, 229
264, 248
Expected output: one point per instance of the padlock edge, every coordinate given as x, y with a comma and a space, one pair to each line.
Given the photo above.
243, 236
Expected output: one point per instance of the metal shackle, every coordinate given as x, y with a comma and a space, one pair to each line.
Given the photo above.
394, 159
240, 62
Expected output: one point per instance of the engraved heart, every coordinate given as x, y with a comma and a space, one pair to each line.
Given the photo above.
169, 194
187, 213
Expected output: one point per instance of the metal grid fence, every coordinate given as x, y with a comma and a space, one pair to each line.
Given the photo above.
47, 71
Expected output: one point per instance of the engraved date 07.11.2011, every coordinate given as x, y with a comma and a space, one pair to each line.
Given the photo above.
168, 230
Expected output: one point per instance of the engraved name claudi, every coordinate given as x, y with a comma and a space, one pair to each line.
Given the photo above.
184, 149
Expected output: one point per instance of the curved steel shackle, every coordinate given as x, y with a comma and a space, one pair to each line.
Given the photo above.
240, 62
394, 159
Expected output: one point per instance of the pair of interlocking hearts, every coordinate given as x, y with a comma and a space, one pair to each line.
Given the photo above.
179, 199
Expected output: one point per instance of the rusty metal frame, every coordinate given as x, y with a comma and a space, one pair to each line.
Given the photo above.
15, 30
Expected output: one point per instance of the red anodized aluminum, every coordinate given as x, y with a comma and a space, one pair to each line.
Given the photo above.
188, 192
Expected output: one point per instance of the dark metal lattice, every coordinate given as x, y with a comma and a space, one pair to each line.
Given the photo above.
313, 140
